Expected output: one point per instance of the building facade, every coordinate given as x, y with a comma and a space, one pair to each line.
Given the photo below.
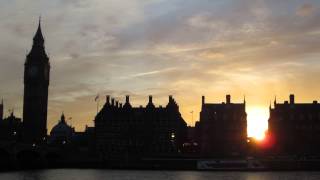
64, 137
222, 129
294, 128
62, 133
36, 83
126, 133
10, 128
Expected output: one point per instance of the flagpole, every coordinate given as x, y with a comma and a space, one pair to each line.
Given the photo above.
97, 106
191, 117
97, 100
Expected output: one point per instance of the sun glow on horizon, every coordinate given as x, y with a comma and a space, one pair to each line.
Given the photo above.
257, 122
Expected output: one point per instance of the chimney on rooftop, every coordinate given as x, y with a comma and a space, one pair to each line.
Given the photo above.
112, 101
127, 98
108, 99
203, 100
228, 99
291, 99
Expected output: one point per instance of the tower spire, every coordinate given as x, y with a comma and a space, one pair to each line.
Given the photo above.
38, 48
38, 37
63, 119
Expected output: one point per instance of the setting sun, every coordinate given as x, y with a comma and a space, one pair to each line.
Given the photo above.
257, 122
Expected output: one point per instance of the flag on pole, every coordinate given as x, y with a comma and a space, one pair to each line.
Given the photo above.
96, 98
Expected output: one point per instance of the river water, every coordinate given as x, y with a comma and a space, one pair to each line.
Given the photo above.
87, 174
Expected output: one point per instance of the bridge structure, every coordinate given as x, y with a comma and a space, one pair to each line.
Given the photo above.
22, 155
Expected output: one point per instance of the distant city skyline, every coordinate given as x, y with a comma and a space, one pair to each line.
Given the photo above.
187, 49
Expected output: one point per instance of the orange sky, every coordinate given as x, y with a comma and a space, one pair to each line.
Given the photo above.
183, 48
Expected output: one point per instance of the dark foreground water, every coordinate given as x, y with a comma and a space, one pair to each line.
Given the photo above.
80, 174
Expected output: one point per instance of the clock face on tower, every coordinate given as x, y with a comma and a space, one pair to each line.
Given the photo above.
32, 71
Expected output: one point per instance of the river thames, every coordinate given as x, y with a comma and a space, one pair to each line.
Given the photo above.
87, 174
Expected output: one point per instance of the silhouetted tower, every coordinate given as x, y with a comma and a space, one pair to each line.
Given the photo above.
36, 83
1, 110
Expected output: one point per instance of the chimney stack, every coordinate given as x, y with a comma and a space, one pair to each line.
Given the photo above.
127, 104
228, 99
203, 100
291, 99
112, 101
150, 99
127, 98
108, 99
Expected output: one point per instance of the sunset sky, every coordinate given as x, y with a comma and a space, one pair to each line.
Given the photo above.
186, 48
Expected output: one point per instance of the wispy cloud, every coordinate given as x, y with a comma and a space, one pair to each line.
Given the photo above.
182, 47
306, 9
156, 72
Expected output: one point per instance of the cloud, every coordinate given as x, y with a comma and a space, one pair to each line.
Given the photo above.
211, 55
305, 10
203, 21
182, 47
151, 73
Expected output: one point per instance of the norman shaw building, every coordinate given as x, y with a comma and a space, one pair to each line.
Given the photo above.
294, 128
125, 133
222, 129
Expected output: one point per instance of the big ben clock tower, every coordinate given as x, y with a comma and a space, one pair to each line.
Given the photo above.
36, 83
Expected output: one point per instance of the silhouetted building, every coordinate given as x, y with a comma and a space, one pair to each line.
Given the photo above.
190, 146
10, 128
294, 128
129, 133
222, 130
64, 136
62, 133
36, 83
85, 141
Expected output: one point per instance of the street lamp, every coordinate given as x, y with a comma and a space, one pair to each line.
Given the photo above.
173, 136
